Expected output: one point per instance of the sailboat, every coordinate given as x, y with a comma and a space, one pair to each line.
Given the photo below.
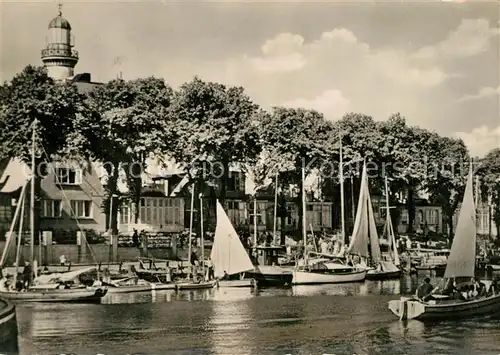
322, 271
387, 269
52, 292
228, 254
461, 264
365, 241
204, 283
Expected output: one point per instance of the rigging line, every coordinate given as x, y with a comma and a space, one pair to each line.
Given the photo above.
71, 208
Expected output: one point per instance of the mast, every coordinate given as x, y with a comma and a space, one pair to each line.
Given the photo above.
275, 207
32, 198
341, 178
12, 226
304, 227
202, 236
191, 227
353, 210
255, 221
390, 230
387, 208
19, 236
476, 200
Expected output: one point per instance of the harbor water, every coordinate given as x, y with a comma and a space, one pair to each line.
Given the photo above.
330, 319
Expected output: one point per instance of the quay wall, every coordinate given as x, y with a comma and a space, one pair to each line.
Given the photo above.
94, 253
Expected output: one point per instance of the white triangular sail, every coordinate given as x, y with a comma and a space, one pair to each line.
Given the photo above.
462, 259
359, 238
228, 253
391, 238
372, 227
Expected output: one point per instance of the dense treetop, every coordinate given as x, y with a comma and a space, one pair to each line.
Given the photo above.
125, 122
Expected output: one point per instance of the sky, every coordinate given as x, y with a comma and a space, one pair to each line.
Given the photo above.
435, 62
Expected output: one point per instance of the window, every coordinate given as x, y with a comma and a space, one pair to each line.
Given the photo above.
404, 217
259, 219
433, 216
421, 219
124, 214
68, 176
5, 209
51, 208
235, 182
81, 209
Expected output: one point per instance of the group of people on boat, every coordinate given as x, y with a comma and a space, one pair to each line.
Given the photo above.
23, 280
463, 291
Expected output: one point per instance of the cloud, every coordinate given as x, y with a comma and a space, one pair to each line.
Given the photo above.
280, 54
472, 37
483, 93
288, 52
481, 140
331, 103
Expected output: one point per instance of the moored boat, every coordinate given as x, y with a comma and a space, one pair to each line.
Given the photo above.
327, 276
228, 255
190, 285
461, 264
236, 283
8, 328
131, 285
266, 272
85, 295
365, 243
318, 271
387, 269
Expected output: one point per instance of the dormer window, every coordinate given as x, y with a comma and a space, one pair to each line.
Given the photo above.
68, 176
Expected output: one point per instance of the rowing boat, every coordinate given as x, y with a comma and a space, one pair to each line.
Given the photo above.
86, 295
195, 285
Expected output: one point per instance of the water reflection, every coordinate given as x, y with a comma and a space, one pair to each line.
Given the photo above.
229, 322
327, 319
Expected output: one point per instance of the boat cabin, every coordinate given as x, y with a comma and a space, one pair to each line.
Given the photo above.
267, 256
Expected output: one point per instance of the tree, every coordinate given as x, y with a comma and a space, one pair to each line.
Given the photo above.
361, 139
293, 139
213, 127
32, 96
448, 165
121, 129
489, 170
405, 159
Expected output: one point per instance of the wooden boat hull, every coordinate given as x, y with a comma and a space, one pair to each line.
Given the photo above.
273, 280
141, 288
57, 295
8, 328
375, 275
271, 276
406, 308
236, 283
316, 278
195, 286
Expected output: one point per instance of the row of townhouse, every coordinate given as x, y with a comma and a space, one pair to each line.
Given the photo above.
72, 199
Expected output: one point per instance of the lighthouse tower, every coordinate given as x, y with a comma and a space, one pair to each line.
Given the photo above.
59, 57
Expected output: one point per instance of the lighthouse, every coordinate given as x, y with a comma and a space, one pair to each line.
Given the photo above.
59, 57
